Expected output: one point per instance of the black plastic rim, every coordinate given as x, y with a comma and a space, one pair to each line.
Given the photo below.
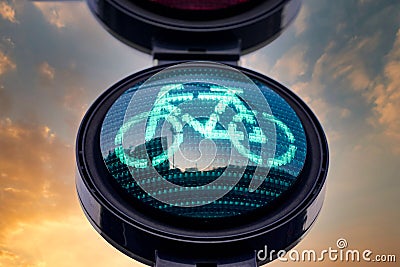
140, 235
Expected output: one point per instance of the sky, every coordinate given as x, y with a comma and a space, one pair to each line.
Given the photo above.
341, 57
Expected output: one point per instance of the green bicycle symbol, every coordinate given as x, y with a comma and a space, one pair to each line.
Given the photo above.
164, 109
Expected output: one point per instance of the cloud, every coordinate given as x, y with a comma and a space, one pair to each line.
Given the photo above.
38, 197
7, 42
342, 68
346, 63
75, 103
291, 66
59, 14
37, 174
341, 71
73, 100
41, 221
46, 71
53, 13
301, 22
6, 63
63, 243
7, 12
386, 96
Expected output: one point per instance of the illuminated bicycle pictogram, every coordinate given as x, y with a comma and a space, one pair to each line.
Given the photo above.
225, 96
166, 109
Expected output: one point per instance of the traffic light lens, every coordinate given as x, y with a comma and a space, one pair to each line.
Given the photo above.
199, 4
202, 140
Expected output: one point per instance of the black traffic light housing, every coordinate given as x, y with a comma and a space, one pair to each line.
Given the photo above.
170, 35
175, 35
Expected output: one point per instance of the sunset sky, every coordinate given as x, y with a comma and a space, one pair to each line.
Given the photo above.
342, 57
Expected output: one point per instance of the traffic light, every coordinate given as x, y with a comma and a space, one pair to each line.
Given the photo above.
197, 161
195, 30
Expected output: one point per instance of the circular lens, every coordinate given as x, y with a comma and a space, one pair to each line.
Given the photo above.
202, 140
199, 4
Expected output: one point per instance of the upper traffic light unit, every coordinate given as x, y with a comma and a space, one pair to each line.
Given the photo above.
194, 162
195, 30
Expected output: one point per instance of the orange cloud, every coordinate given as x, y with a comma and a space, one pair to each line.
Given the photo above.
386, 96
6, 63
7, 12
348, 64
291, 66
70, 241
41, 221
53, 13
37, 174
46, 71
61, 15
